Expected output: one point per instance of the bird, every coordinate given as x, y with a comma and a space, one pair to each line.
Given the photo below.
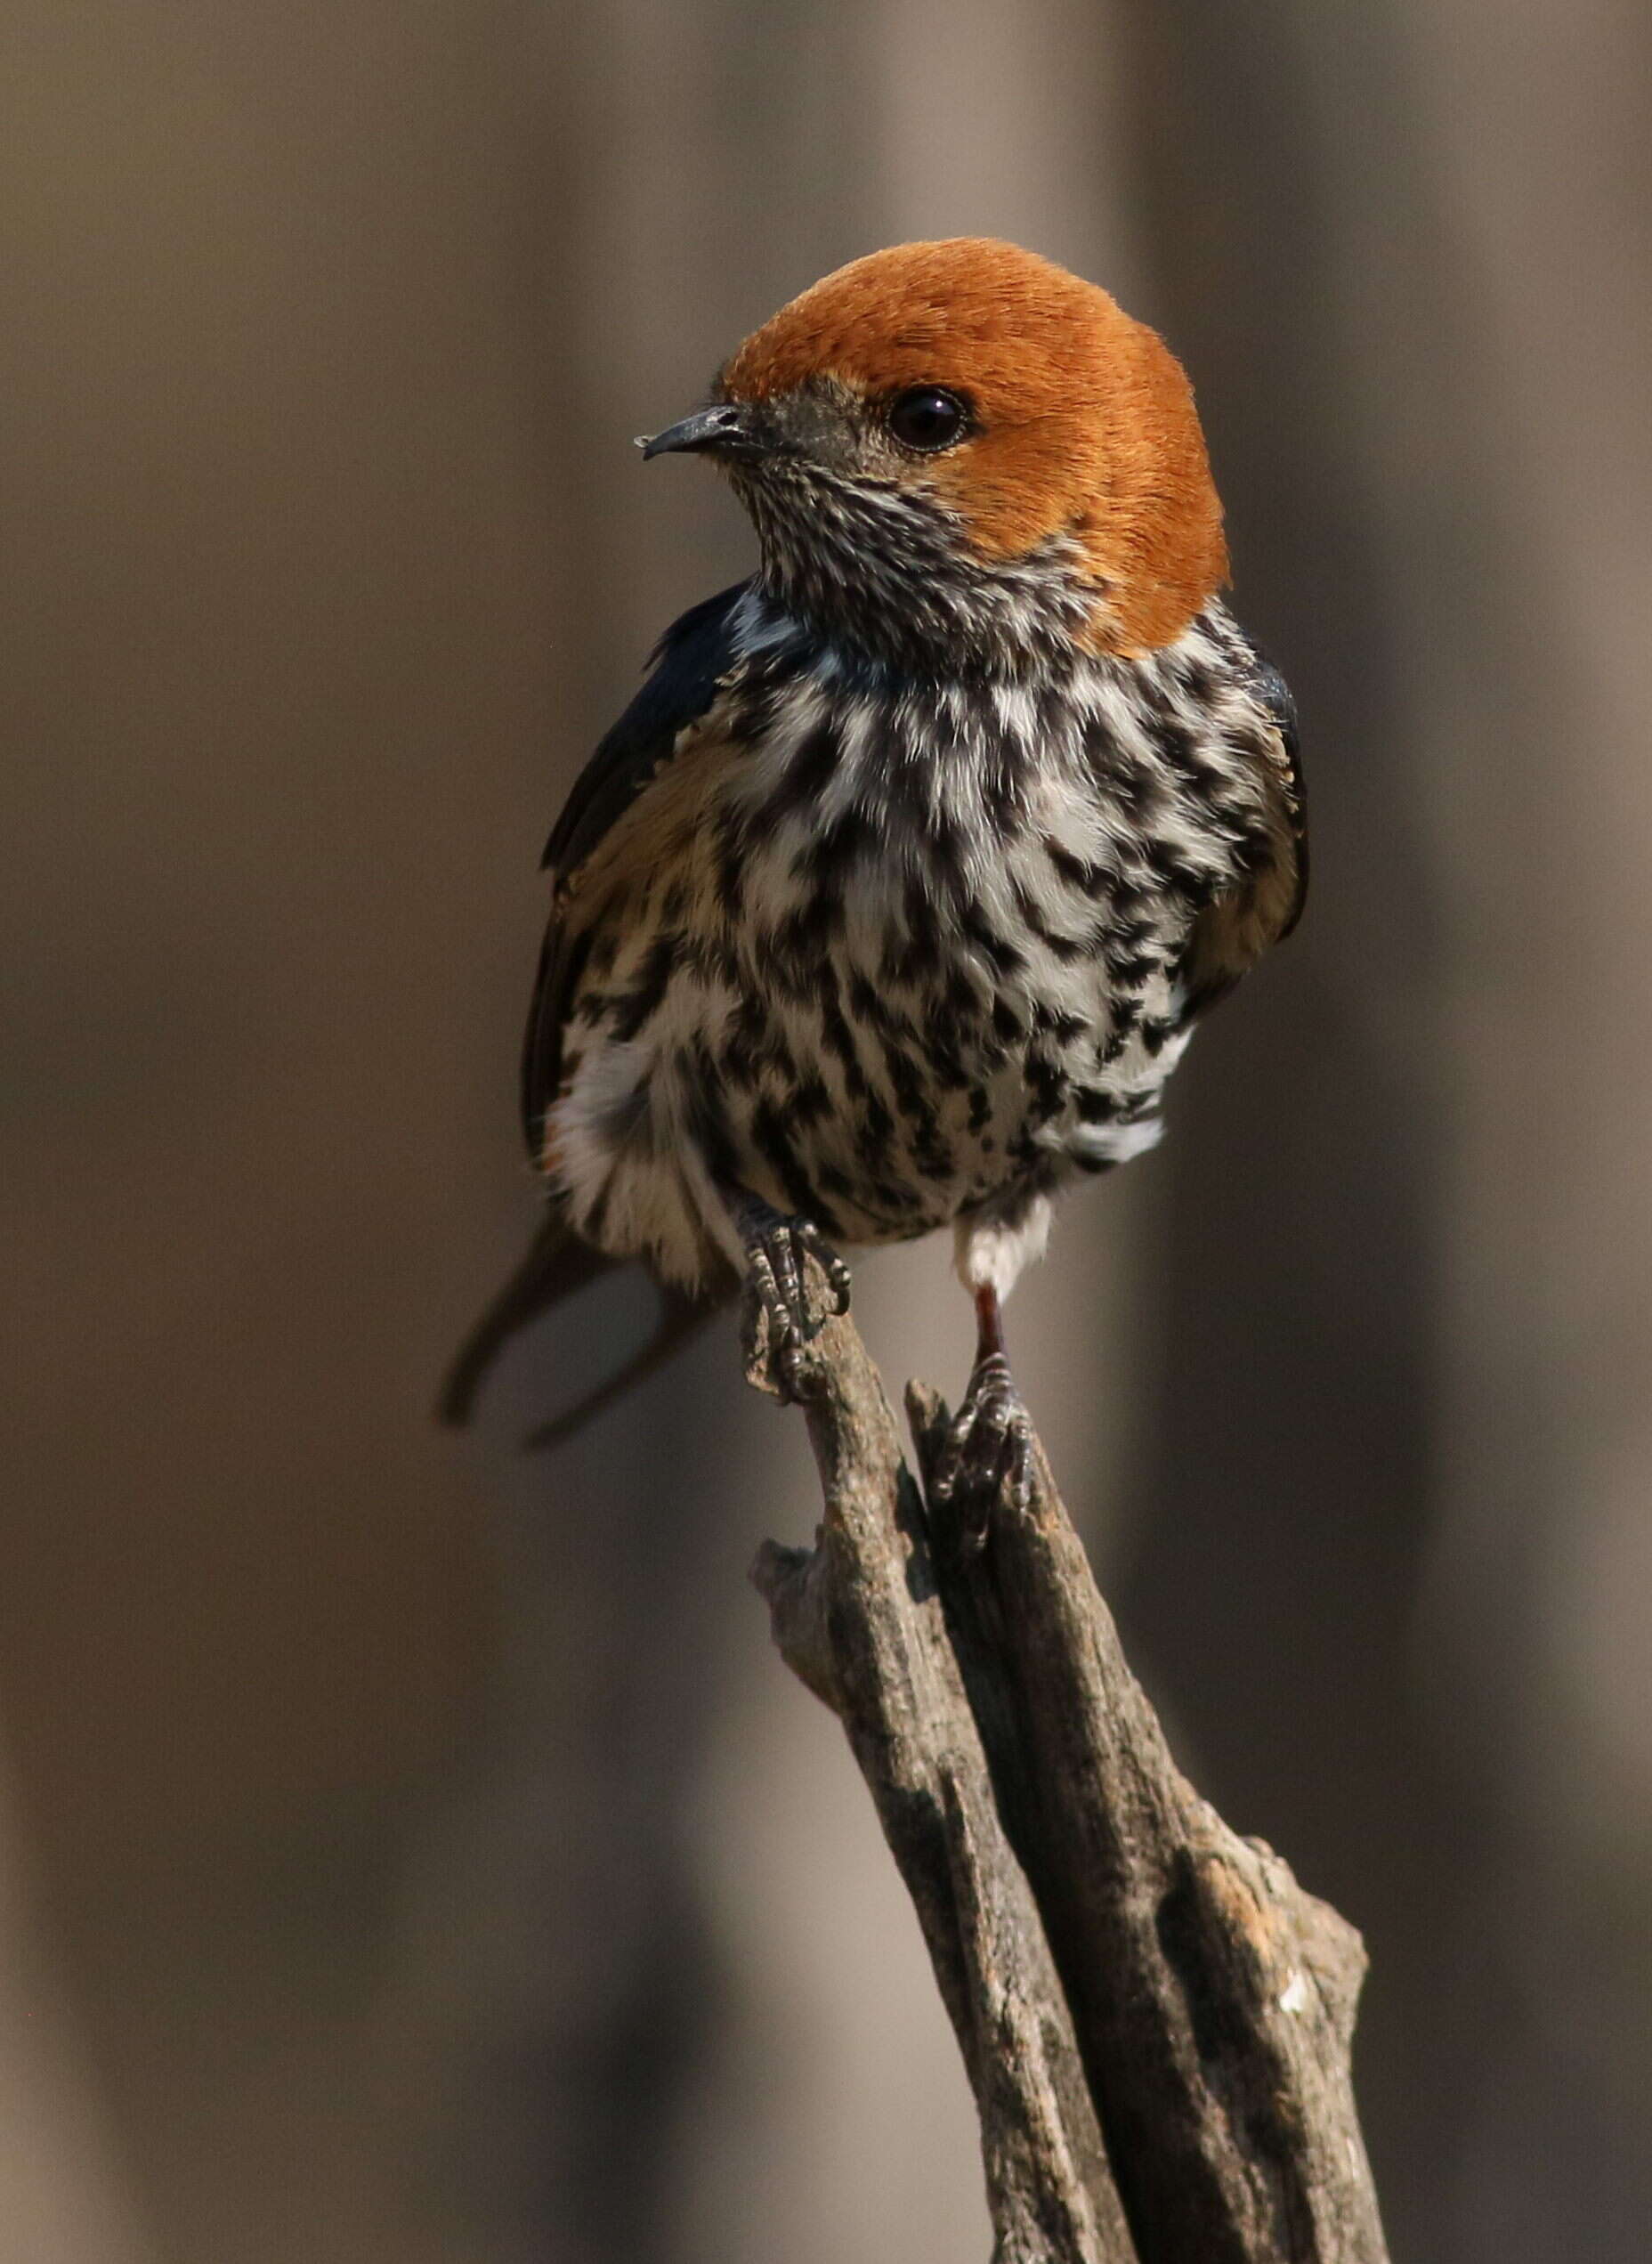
892, 900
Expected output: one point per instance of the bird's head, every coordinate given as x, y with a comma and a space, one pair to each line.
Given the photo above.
958, 454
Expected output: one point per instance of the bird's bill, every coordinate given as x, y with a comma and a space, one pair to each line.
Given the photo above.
724, 429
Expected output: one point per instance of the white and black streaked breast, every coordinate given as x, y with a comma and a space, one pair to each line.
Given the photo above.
885, 948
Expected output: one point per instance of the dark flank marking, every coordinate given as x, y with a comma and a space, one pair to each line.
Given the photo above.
636, 1006
894, 1202
933, 1159
838, 1038
1129, 971
602, 952
1173, 740
1147, 691
1007, 959
761, 693
907, 1085
674, 903
774, 1143
744, 1042
1047, 1085
1111, 940
793, 953
923, 940
823, 982
1001, 790
1138, 789
829, 855
868, 1005
1055, 713
808, 929
943, 849
980, 1108
1210, 790
959, 993
714, 958
1120, 1039
777, 1055
1006, 1023
810, 1101
1077, 872
1156, 1034
1245, 741
834, 1181
930, 1152
1196, 682
809, 772
710, 1123
939, 1041
1050, 1021
876, 1127
1064, 947
1174, 870
1135, 783
904, 957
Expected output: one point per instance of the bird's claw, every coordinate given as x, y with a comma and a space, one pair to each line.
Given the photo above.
777, 1251
988, 1453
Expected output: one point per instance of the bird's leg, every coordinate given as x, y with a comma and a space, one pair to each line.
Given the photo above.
776, 1247
989, 1451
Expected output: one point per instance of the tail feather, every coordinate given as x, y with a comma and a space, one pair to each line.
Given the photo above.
680, 1317
557, 1264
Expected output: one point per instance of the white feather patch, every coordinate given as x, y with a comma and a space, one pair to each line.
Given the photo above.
993, 1253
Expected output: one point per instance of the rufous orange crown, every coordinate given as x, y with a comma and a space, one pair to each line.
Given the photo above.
1084, 420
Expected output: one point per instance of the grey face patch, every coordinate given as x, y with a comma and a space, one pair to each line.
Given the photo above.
835, 430
823, 425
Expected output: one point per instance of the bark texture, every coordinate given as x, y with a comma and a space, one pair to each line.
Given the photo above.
1156, 2020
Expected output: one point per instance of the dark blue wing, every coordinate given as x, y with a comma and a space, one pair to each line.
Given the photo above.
684, 670
1230, 933
1275, 695
687, 665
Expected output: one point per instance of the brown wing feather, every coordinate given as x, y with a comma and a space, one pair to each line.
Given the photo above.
1232, 933
690, 665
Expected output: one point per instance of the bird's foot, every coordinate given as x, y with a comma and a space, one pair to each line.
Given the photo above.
988, 1454
778, 1250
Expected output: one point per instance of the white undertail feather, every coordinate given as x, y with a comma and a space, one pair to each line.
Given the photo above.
994, 1253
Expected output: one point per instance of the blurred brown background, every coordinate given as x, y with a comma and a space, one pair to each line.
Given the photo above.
410, 1851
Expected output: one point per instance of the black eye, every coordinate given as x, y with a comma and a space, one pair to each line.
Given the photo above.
927, 417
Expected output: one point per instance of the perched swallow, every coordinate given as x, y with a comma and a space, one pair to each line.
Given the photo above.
892, 900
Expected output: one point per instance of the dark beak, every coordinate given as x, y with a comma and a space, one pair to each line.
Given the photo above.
724, 429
